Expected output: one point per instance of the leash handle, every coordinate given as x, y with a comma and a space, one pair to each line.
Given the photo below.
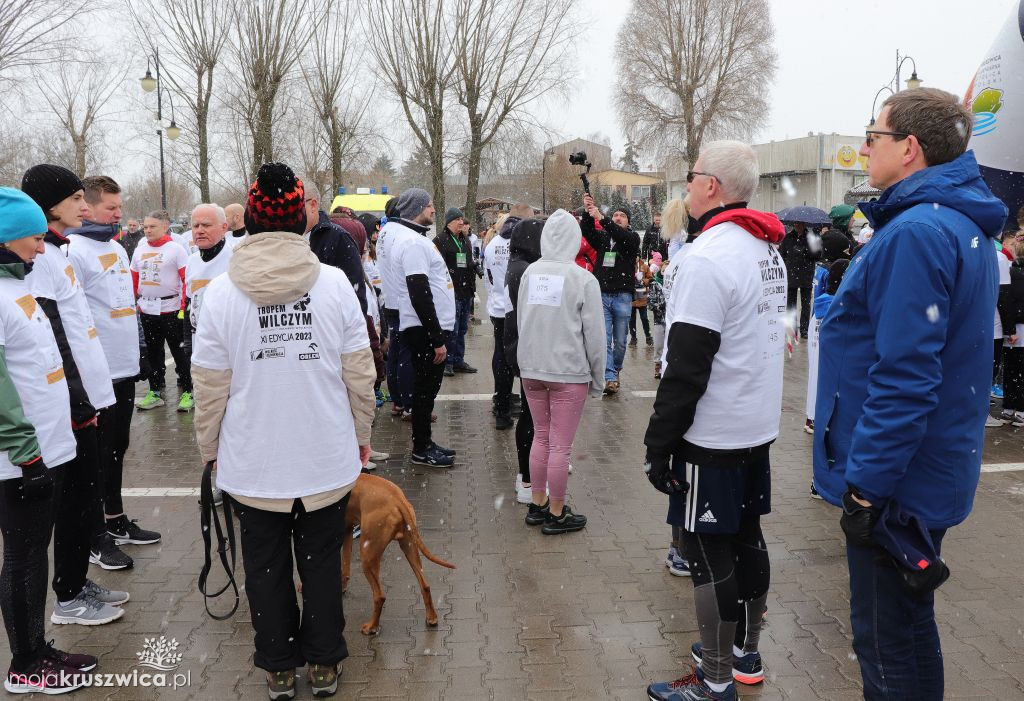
225, 544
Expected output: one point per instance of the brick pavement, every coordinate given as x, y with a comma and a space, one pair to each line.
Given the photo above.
591, 615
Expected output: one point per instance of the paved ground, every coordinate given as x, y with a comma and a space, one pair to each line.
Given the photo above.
592, 615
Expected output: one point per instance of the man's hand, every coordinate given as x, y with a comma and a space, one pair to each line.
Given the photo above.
592, 210
364, 455
1013, 338
440, 354
858, 520
36, 480
658, 469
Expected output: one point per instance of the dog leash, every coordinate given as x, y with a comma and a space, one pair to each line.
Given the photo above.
225, 543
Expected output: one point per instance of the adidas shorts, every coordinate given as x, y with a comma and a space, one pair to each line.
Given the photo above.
719, 496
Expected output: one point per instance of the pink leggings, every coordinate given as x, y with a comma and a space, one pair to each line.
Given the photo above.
556, 408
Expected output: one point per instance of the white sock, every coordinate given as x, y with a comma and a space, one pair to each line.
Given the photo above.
717, 687
736, 652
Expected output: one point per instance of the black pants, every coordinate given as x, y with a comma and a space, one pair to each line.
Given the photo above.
642, 311
115, 425
805, 307
997, 360
160, 328
524, 436
26, 526
286, 639
426, 384
75, 505
1013, 379
503, 377
730, 579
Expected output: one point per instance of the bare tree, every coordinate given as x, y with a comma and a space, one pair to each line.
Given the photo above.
29, 31
695, 69
271, 36
510, 54
412, 53
78, 95
195, 32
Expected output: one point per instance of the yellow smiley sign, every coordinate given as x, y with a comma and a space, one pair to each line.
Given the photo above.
846, 157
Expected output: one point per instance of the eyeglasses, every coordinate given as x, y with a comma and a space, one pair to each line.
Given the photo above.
690, 175
871, 134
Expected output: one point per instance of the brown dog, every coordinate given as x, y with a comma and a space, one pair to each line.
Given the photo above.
384, 514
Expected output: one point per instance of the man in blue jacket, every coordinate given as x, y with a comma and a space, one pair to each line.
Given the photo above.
904, 365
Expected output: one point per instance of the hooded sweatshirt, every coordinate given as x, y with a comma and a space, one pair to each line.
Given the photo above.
560, 313
279, 405
906, 345
524, 249
726, 344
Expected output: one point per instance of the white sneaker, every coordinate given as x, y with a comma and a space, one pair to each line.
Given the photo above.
570, 468
1018, 419
370, 466
993, 422
524, 495
379, 456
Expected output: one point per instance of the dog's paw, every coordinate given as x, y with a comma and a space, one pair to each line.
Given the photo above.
432, 621
369, 629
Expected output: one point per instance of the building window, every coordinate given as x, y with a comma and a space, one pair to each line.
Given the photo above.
641, 192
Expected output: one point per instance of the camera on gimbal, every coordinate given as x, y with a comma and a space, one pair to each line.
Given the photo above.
580, 159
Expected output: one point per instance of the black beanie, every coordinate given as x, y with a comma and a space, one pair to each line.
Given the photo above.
49, 185
276, 201
625, 210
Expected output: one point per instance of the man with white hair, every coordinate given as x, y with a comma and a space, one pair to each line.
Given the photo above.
209, 229
726, 341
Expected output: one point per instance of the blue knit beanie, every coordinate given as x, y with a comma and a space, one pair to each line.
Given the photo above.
20, 216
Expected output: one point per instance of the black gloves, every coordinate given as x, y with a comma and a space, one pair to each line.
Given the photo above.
658, 469
858, 521
36, 480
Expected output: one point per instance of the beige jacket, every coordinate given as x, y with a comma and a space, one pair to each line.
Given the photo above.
274, 268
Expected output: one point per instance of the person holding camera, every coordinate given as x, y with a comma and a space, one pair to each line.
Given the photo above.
617, 248
725, 352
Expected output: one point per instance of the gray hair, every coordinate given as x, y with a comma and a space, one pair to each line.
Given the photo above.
734, 166
311, 190
222, 217
161, 214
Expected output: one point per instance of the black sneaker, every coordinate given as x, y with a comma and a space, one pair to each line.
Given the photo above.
537, 514
503, 422
105, 553
566, 523
83, 663
44, 676
465, 368
449, 371
432, 457
443, 450
124, 531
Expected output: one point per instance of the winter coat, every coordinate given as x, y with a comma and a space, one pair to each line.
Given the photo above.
610, 238
1011, 303
333, 246
906, 349
800, 258
463, 278
561, 316
524, 249
640, 286
653, 242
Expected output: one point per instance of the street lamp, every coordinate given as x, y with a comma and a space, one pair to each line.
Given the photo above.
544, 177
893, 86
149, 84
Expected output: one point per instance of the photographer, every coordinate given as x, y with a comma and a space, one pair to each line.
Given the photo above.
617, 248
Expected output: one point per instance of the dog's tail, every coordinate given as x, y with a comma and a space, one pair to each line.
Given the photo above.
414, 533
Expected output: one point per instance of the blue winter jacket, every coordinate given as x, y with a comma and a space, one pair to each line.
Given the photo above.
905, 360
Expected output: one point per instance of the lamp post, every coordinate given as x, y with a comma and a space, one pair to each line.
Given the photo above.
893, 86
149, 84
544, 177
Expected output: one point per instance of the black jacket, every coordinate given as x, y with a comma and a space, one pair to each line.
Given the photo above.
130, 241
800, 259
464, 279
333, 246
1011, 299
524, 249
653, 242
625, 243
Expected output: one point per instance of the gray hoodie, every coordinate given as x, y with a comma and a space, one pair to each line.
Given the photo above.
560, 315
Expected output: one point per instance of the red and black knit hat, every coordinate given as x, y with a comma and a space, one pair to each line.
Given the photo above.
276, 201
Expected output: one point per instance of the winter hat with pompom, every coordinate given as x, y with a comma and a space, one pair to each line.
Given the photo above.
276, 201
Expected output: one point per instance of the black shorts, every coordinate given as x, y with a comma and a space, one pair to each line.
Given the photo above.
719, 496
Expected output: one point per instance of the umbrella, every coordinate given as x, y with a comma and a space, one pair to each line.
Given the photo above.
804, 215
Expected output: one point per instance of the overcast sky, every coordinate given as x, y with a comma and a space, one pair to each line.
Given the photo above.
833, 56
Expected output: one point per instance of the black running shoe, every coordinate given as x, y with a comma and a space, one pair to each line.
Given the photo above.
536, 515
443, 450
432, 457
566, 523
124, 531
107, 555
44, 676
83, 663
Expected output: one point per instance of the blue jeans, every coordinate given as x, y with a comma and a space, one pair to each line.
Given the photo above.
617, 308
457, 341
398, 368
894, 632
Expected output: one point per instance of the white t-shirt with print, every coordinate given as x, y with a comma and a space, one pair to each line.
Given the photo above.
184, 240
496, 257
288, 429
102, 270
53, 277
668, 285
389, 283
159, 276
1003, 263
735, 284
200, 273
35, 367
413, 254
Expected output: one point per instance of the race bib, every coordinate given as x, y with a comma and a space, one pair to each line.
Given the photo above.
149, 305
609, 259
546, 290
